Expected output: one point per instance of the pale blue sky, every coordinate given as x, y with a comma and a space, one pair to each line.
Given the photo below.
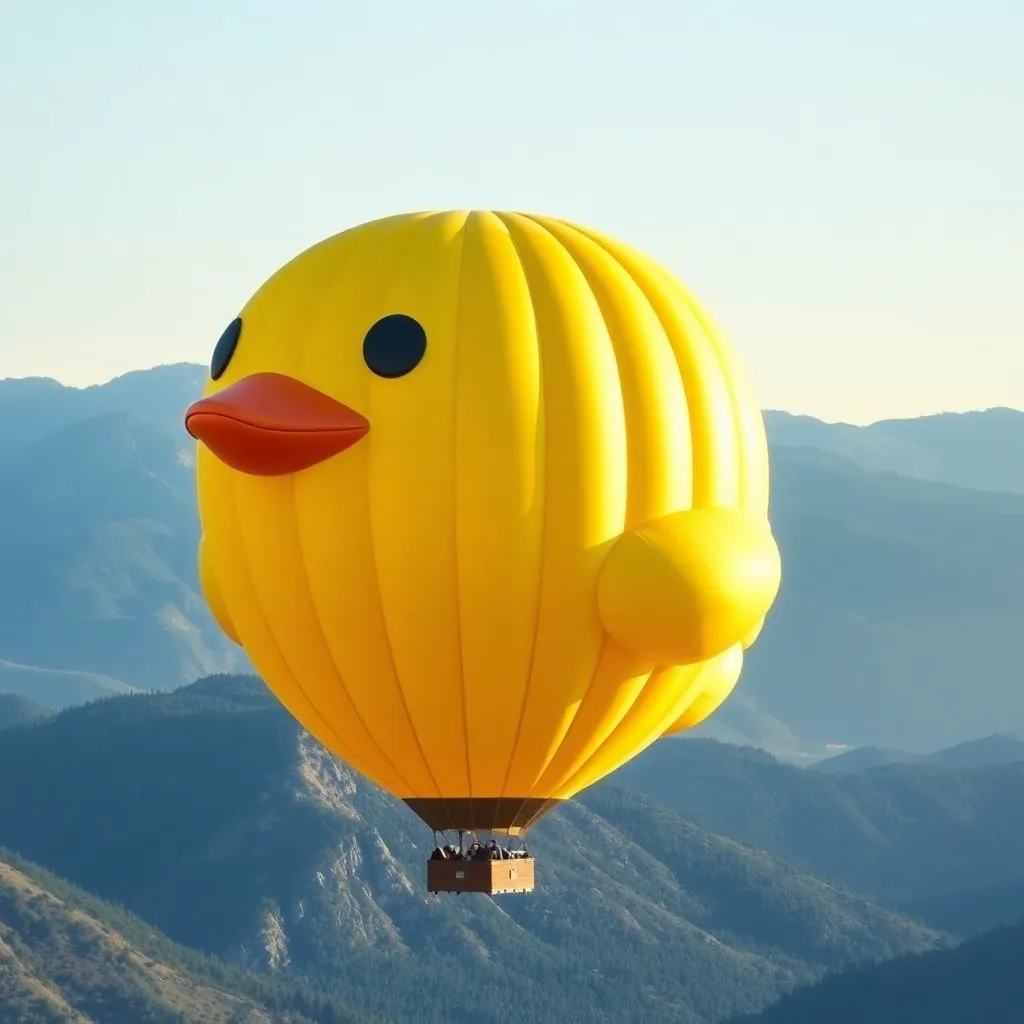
840, 182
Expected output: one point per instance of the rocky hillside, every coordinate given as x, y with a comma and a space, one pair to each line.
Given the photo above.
68, 958
209, 813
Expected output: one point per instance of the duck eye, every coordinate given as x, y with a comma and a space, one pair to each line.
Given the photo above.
394, 345
225, 348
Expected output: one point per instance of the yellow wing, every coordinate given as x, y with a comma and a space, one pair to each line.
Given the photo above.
688, 586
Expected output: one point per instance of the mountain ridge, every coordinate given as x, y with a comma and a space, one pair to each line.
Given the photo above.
209, 812
894, 834
98, 581
930, 447
32, 407
17, 710
996, 748
978, 449
873, 610
66, 956
978, 981
292, 864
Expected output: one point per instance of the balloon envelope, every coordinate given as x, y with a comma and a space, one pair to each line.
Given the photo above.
425, 438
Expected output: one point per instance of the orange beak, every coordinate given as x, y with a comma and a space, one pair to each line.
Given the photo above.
268, 424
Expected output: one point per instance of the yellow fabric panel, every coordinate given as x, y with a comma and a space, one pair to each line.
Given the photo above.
333, 509
212, 593
716, 456
585, 493
667, 693
717, 679
500, 495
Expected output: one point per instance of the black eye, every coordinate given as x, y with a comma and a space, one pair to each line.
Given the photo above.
225, 348
394, 345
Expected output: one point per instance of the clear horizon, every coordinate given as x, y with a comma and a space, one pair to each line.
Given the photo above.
839, 188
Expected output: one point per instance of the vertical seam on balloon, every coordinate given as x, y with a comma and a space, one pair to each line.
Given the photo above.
544, 524
666, 720
455, 511
384, 619
577, 236
739, 434
374, 742
304, 561
394, 669
717, 345
299, 365
571, 231
604, 639
586, 693
231, 487
700, 470
257, 604
645, 291
327, 649
596, 755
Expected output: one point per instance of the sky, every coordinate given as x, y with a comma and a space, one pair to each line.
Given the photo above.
840, 183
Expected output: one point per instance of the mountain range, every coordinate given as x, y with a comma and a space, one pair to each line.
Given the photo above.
999, 748
32, 408
979, 450
895, 625
182, 851
67, 957
897, 833
18, 710
261, 849
978, 981
98, 535
209, 814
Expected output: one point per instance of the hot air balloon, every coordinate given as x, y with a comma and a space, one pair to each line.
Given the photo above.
484, 496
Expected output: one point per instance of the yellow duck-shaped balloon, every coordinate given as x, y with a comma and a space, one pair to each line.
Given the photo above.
484, 497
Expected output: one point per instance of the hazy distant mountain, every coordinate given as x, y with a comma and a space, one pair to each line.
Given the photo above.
18, 710
894, 834
209, 813
984, 450
980, 982
33, 407
743, 721
69, 958
896, 624
969, 912
999, 748
898, 620
862, 759
56, 688
98, 536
